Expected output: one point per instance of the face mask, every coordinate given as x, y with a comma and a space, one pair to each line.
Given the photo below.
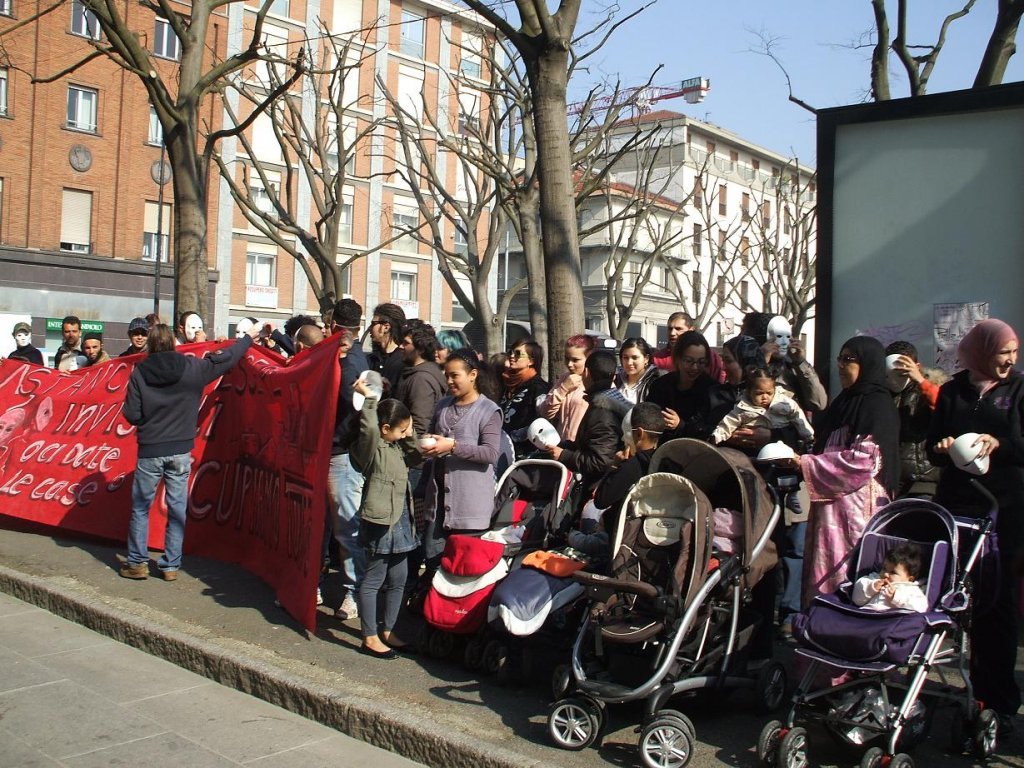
193, 324
243, 327
896, 380
22, 339
780, 331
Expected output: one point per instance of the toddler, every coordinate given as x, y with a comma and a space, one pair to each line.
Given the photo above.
896, 585
763, 405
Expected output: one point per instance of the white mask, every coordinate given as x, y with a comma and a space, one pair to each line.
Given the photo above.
780, 331
193, 324
243, 327
22, 339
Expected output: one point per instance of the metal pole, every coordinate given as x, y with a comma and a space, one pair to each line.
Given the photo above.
159, 229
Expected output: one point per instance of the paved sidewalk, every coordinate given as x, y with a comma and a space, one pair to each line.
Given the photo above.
72, 697
220, 622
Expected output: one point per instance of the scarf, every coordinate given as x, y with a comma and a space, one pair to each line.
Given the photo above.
865, 408
977, 348
513, 380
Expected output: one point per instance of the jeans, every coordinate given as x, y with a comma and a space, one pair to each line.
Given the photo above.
345, 491
384, 573
792, 556
174, 470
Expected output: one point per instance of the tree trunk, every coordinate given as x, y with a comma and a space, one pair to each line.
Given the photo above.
880, 54
190, 226
533, 257
1001, 45
564, 292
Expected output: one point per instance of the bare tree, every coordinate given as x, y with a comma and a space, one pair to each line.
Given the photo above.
177, 101
319, 136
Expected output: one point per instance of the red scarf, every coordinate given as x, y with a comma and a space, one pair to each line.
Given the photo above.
514, 379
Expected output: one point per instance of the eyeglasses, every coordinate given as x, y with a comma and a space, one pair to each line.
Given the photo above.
689, 362
139, 332
847, 359
518, 355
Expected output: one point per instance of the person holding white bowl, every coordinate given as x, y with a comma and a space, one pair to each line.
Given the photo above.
987, 398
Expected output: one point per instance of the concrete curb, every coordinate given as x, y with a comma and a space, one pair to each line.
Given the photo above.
391, 728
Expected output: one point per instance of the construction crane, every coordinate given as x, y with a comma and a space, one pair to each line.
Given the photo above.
642, 97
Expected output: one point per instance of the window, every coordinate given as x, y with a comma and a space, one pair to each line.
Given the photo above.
459, 312
3, 91
5, 7
698, 231
347, 17
280, 7
698, 193
259, 269
156, 130
84, 21
345, 222
720, 291
784, 262
271, 70
413, 34
403, 283
405, 220
787, 221
746, 206
722, 200
743, 294
156, 232
76, 221
461, 241
263, 195
734, 156
744, 250
410, 90
469, 64
766, 213
696, 285
82, 108
469, 113
165, 42
710, 147
721, 244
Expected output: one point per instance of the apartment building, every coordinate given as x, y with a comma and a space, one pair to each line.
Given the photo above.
729, 227
86, 204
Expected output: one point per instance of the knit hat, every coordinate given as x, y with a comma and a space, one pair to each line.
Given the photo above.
22, 328
138, 324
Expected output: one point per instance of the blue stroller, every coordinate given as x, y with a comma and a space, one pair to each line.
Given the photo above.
877, 707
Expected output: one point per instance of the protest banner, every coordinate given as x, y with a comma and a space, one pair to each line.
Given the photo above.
259, 466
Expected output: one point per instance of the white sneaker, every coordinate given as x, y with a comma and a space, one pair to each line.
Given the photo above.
319, 596
348, 609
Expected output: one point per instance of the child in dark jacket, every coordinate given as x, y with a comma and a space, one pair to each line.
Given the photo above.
383, 452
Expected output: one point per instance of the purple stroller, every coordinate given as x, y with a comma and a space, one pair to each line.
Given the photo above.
874, 646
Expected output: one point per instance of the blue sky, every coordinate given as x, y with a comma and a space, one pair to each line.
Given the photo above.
748, 92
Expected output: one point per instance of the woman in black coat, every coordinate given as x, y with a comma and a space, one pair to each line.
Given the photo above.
988, 398
684, 394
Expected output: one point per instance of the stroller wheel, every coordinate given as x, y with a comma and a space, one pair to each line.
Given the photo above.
665, 742
675, 714
496, 658
793, 749
986, 731
441, 644
473, 655
768, 743
771, 687
901, 760
872, 758
574, 723
561, 681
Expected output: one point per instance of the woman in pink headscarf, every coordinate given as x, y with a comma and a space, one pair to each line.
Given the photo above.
987, 397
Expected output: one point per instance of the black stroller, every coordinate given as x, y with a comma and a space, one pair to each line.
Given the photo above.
877, 707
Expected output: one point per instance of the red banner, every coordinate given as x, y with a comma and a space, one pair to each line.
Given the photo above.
257, 492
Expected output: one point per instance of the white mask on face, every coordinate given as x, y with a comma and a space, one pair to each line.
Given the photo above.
243, 327
193, 324
22, 339
780, 331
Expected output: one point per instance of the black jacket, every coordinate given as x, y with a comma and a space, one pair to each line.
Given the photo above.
389, 364
694, 406
346, 417
27, 353
918, 476
519, 410
419, 388
164, 392
599, 436
1000, 413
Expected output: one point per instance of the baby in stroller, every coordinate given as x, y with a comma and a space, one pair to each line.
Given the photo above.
875, 628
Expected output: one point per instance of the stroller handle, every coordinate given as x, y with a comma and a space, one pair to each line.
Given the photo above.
993, 505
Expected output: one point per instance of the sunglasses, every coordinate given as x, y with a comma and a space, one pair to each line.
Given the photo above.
139, 332
847, 359
518, 355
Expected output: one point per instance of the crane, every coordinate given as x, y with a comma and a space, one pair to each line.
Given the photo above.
642, 97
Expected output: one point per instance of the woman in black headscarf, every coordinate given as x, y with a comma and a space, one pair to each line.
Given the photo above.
855, 465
